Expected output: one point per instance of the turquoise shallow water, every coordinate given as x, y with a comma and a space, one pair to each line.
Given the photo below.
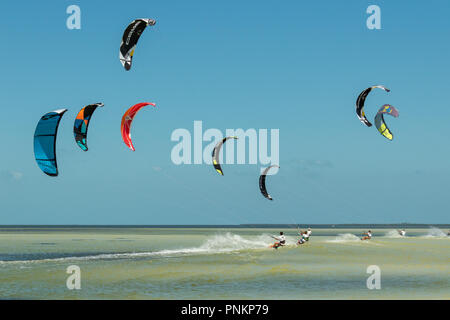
129, 263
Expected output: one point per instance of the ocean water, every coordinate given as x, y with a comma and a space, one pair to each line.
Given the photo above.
170, 263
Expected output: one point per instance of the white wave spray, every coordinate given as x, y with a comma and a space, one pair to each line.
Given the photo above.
435, 233
345, 237
220, 243
393, 234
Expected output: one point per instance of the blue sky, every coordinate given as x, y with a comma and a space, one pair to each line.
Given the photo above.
296, 66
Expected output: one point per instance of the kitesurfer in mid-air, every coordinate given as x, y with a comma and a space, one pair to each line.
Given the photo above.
367, 235
281, 241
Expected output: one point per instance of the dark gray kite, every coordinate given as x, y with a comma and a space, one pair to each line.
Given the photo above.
262, 182
360, 104
130, 38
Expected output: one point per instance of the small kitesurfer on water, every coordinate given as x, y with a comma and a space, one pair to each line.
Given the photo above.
402, 232
302, 239
281, 241
367, 235
308, 234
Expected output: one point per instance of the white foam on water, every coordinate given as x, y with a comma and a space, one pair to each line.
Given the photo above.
233, 242
435, 233
345, 237
221, 243
393, 234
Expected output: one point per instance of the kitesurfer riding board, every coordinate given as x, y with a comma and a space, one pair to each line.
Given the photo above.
308, 234
303, 237
281, 241
367, 235
302, 240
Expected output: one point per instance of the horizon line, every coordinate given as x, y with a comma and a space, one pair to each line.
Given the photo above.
246, 225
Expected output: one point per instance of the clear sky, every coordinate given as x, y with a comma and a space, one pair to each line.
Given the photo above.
296, 66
